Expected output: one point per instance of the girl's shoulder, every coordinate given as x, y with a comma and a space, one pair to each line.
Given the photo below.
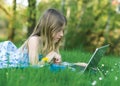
34, 38
31, 41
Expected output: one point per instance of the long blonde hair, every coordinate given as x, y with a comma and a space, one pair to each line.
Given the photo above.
50, 23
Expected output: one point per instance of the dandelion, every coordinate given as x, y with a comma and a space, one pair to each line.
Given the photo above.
45, 59
100, 78
94, 83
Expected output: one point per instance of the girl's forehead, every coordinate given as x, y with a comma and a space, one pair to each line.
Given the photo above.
63, 27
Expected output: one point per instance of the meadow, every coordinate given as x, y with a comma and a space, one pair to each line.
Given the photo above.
109, 64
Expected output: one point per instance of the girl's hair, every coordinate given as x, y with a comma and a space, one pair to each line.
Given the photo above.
51, 22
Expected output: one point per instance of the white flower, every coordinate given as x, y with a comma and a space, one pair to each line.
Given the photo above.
112, 69
116, 78
94, 83
100, 78
115, 63
102, 65
107, 71
6, 73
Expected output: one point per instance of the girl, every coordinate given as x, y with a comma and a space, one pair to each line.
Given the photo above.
42, 45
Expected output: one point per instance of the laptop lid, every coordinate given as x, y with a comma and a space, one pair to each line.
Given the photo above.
96, 57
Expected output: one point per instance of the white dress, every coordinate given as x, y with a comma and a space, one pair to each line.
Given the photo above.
11, 56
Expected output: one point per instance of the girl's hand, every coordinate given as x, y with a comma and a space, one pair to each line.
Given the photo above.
54, 56
81, 64
57, 59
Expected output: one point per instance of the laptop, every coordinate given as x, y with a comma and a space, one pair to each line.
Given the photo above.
94, 60
96, 57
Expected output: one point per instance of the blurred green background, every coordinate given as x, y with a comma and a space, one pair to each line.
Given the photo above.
91, 23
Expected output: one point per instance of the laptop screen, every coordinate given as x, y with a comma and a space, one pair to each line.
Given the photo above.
96, 57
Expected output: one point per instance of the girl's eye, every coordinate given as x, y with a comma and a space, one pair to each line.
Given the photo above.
60, 30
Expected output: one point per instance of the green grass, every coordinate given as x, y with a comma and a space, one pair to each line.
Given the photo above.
44, 77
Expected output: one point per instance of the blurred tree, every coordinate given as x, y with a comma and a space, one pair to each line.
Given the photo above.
31, 16
5, 10
91, 23
63, 6
12, 25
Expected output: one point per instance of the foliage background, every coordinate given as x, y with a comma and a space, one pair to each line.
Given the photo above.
91, 23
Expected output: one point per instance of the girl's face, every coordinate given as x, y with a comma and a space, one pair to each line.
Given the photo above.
58, 35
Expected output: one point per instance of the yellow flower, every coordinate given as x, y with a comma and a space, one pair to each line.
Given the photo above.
45, 59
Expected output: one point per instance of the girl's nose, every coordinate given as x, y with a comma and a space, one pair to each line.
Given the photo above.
61, 33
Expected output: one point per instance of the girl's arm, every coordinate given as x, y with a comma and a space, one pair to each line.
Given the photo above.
54, 56
33, 49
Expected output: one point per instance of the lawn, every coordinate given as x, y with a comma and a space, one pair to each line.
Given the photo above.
110, 65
